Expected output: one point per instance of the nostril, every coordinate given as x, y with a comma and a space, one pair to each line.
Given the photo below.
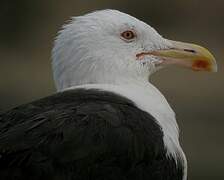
190, 50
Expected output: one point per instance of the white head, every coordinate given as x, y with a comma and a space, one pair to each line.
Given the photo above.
112, 47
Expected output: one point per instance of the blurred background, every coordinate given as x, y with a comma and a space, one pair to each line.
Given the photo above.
27, 31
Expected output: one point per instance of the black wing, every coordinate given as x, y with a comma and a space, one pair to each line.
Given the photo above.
83, 135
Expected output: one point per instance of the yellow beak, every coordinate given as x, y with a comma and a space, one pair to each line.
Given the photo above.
188, 55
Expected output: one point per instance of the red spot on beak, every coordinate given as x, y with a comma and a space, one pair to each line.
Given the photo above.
200, 64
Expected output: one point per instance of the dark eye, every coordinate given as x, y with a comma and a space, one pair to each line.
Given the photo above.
128, 35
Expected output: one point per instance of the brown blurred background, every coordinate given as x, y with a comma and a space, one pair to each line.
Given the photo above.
27, 31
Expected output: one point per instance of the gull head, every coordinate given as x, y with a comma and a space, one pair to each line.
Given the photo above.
111, 47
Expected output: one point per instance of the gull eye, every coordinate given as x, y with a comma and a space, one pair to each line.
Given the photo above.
128, 35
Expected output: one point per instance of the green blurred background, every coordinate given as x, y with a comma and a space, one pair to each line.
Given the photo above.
27, 31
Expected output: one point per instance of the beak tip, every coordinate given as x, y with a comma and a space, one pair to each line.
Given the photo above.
214, 68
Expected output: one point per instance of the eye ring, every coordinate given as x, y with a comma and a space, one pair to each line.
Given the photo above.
128, 35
